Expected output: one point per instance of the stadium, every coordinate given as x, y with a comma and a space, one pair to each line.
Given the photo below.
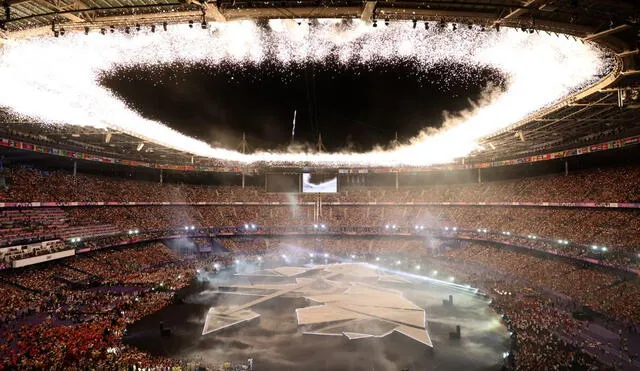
320, 185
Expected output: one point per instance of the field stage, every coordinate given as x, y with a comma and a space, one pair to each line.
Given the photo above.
336, 317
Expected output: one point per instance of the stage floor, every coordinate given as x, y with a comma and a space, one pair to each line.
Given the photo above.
281, 338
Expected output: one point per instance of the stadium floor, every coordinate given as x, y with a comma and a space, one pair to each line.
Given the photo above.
275, 342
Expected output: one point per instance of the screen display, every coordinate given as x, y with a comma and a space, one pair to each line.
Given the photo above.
319, 183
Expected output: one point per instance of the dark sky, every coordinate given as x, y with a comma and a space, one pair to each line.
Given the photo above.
353, 107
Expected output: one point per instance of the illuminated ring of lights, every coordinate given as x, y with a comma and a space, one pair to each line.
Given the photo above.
56, 80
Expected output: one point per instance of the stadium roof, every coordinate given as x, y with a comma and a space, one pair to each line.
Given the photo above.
609, 110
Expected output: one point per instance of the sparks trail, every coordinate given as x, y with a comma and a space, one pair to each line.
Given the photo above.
541, 69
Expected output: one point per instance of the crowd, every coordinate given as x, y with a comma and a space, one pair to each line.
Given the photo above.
598, 288
618, 230
601, 185
73, 313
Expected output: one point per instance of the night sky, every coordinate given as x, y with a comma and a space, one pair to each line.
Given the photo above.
353, 107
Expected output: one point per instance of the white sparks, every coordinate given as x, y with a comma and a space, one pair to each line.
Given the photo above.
56, 80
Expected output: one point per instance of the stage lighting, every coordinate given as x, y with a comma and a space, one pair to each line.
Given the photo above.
386, 22
454, 26
378, 259
190, 24
497, 26
311, 255
594, 247
604, 249
451, 279
164, 26
323, 226
326, 255
127, 30
470, 26
153, 28
56, 33
353, 256
141, 143
112, 28
434, 273
203, 25
103, 31
426, 26
375, 23
417, 267
62, 31
137, 26
398, 262
86, 30
415, 23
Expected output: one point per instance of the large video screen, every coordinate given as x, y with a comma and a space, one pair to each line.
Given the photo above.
319, 183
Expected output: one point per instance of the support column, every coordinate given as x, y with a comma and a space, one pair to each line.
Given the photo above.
161, 176
479, 175
397, 180
566, 168
75, 167
242, 178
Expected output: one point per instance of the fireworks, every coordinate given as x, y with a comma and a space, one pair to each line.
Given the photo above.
56, 80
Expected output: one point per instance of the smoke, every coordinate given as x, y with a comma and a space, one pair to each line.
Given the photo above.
276, 342
63, 74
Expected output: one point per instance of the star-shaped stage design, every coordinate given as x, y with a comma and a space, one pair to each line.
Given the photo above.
346, 300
